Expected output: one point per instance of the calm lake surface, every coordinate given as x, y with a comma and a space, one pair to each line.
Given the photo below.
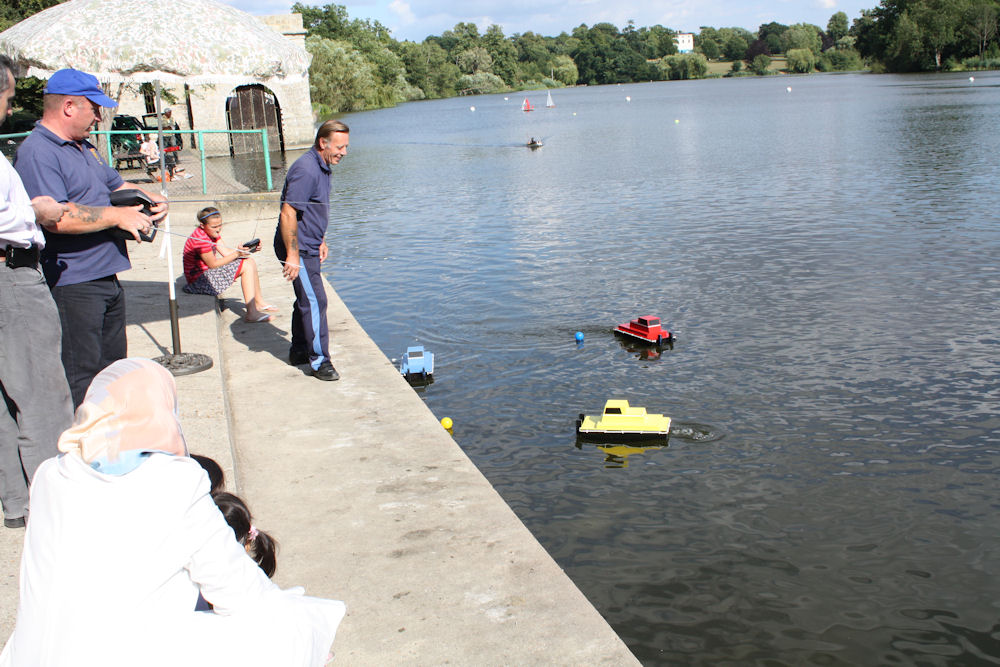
829, 259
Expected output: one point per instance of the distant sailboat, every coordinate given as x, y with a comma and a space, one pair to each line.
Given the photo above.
526, 105
548, 102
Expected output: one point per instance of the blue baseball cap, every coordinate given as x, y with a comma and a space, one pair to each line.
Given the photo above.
75, 82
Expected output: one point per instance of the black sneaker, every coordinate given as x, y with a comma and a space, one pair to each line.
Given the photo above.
296, 358
16, 522
326, 371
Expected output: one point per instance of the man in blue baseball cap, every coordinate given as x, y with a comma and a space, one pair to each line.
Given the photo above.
82, 256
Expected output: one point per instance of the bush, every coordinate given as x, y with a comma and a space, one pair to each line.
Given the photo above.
760, 63
736, 66
481, 83
684, 66
800, 60
837, 60
977, 63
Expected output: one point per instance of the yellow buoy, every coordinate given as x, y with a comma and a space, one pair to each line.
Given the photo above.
446, 422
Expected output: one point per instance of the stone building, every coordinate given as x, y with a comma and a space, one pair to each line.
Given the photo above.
225, 68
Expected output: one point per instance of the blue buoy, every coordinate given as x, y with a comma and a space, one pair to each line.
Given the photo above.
579, 336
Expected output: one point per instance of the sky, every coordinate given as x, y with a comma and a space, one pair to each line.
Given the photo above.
416, 19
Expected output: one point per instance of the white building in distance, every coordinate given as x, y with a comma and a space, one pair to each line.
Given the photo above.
685, 42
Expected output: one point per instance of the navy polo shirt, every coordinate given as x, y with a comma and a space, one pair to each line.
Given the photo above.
70, 171
307, 190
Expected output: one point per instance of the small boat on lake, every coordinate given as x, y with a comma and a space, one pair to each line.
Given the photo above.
526, 105
534, 143
417, 364
646, 329
548, 101
622, 422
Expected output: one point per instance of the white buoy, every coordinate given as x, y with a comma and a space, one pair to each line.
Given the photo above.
971, 79
628, 98
472, 108
789, 89
505, 99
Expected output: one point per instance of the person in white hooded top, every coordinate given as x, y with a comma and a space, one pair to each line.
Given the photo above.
123, 535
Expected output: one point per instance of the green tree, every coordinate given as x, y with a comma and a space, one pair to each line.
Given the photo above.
840, 60
905, 49
683, 66
604, 56
481, 83
502, 51
803, 36
772, 34
361, 41
837, 26
939, 21
735, 47
760, 64
801, 60
476, 59
564, 70
462, 37
915, 35
429, 68
532, 48
709, 48
981, 23
340, 79
656, 42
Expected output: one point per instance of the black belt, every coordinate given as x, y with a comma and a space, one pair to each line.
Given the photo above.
17, 258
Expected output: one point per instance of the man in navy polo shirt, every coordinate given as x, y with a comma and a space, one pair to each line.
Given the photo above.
299, 242
82, 257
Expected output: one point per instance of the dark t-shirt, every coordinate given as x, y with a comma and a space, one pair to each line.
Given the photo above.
307, 190
70, 171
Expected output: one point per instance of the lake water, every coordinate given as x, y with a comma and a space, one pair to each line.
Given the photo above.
829, 258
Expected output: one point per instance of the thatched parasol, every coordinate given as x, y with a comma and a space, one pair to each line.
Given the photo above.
180, 41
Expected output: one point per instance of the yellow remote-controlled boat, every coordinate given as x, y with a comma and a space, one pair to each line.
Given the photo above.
622, 422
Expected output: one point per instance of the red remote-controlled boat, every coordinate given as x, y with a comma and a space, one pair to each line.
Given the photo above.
646, 329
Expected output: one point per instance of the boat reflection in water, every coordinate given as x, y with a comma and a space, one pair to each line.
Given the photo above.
643, 351
617, 455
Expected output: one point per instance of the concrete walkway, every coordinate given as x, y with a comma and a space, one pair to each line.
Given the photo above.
370, 499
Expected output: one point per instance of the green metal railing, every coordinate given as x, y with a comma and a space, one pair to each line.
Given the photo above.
106, 134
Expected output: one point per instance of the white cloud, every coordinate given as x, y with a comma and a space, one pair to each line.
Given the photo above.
402, 11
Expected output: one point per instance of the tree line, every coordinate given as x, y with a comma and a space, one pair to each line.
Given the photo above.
357, 64
927, 35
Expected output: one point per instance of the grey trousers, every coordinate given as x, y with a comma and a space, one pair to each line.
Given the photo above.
32, 381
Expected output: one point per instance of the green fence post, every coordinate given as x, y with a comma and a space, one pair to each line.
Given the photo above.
204, 164
267, 159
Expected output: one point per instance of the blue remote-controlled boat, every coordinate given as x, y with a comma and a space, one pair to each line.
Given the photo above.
417, 363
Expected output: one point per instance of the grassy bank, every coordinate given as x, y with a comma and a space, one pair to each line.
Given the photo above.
721, 67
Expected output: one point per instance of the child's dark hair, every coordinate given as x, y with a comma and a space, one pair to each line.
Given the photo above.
261, 546
206, 213
215, 475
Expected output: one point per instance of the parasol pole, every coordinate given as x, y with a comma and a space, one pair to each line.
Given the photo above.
175, 329
177, 363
